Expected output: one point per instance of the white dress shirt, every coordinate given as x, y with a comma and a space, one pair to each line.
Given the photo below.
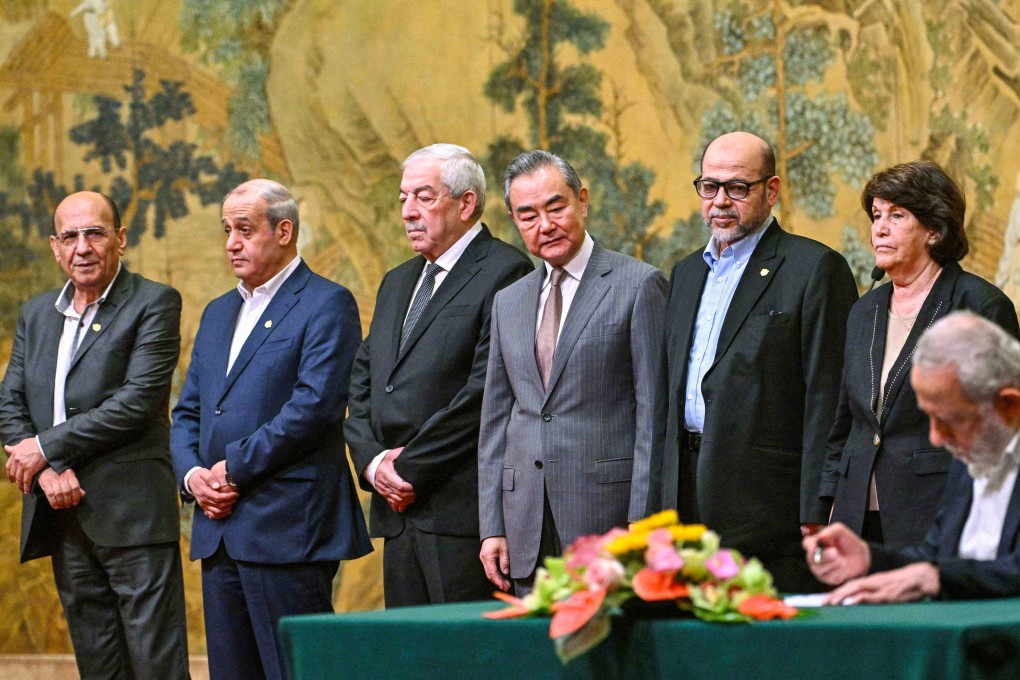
255, 303
983, 530
568, 284
445, 262
76, 327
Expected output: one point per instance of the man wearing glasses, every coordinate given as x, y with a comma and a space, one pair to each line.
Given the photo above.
756, 324
84, 421
417, 381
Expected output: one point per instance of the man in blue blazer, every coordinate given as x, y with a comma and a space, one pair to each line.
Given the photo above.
966, 374
257, 437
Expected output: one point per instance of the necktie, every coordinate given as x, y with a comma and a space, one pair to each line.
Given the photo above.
545, 344
420, 302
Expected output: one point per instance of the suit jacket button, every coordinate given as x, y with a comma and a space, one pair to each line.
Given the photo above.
389, 388
547, 417
218, 410
538, 464
876, 439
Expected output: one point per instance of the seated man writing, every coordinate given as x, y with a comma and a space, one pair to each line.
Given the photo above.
966, 373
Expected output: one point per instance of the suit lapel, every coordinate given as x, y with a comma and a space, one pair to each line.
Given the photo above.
402, 302
935, 306
590, 291
108, 309
689, 286
285, 299
468, 264
1011, 524
524, 307
52, 325
960, 496
761, 270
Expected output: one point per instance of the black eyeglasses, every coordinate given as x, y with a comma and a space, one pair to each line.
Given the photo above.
737, 189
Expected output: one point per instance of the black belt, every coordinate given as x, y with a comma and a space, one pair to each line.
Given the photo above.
690, 441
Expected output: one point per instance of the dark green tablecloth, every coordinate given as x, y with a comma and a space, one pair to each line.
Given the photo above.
924, 641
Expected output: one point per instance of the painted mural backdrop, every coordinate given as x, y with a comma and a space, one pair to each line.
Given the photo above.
166, 104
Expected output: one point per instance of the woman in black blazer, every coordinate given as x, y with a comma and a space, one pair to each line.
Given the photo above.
883, 476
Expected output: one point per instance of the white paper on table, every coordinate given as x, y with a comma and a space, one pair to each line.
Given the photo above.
806, 601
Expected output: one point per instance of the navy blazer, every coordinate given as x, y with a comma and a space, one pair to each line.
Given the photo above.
910, 472
962, 578
277, 420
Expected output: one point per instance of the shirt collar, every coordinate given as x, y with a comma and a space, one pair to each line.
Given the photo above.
272, 285
579, 262
453, 253
65, 300
742, 249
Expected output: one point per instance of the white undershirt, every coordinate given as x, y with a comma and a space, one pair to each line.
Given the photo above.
983, 530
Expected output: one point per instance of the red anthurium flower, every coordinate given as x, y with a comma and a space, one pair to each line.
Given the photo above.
656, 586
763, 607
516, 609
577, 610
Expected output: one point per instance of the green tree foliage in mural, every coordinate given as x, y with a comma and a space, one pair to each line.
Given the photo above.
952, 140
237, 35
566, 115
148, 181
773, 57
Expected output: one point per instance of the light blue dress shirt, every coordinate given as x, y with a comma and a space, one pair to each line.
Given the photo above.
724, 272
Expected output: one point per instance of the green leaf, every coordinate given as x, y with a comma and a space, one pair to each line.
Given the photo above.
569, 647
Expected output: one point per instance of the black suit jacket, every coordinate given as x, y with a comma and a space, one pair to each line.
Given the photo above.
116, 436
429, 400
769, 395
910, 472
962, 578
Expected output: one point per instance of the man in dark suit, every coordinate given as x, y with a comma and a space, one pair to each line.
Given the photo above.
966, 374
416, 388
755, 331
257, 438
83, 417
571, 420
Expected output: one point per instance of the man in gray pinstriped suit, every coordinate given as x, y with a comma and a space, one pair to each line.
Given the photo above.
572, 410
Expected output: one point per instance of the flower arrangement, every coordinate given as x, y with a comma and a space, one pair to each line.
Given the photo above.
656, 560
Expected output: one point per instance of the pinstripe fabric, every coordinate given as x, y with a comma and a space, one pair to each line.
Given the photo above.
592, 438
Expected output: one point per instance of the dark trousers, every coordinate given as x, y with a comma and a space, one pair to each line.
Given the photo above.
421, 568
243, 602
548, 546
124, 606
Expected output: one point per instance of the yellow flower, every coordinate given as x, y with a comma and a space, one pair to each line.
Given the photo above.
688, 532
665, 518
627, 543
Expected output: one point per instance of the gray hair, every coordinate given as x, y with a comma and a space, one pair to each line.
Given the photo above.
986, 357
459, 170
280, 203
531, 162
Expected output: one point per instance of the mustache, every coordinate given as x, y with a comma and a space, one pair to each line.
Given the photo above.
414, 226
728, 214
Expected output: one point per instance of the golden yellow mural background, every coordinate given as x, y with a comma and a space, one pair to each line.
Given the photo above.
329, 97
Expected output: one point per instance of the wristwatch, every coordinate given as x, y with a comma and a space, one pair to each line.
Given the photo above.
226, 476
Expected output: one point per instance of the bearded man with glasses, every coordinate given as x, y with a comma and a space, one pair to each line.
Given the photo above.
84, 419
755, 327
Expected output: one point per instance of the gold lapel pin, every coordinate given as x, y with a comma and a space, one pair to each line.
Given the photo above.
764, 272
269, 324
96, 327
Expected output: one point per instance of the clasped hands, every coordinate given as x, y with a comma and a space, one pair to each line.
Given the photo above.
390, 485
26, 460
212, 492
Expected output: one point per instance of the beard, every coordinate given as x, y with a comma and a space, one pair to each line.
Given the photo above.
742, 229
985, 453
